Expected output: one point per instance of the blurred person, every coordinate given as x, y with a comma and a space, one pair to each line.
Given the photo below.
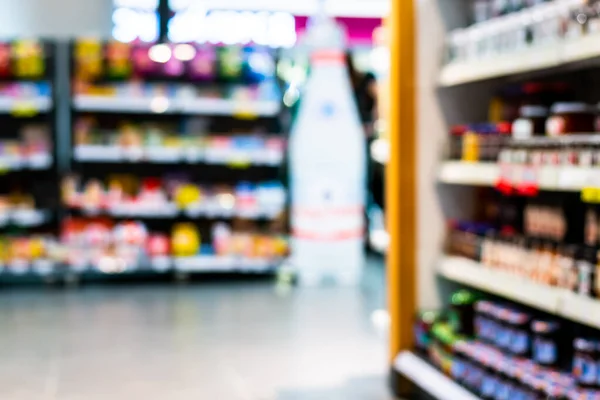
365, 92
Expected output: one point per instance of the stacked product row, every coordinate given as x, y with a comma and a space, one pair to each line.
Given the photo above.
499, 350
541, 122
174, 161
551, 240
28, 172
513, 27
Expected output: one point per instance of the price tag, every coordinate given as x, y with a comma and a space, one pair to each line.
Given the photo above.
505, 180
591, 195
591, 191
244, 110
24, 109
239, 163
529, 182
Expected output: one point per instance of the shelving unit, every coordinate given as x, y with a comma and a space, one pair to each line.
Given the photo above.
430, 379
426, 99
176, 105
556, 301
559, 179
217, 136
529, 60
29, 203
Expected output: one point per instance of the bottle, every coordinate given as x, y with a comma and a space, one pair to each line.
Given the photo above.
545, 350
585, 363
586, 266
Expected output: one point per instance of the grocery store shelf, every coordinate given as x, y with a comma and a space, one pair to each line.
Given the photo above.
223, 264
553, 300
564, 179
35, 162
165, 105
197, 264
166, 155
170, 211
25, 105
24, 268
229, 107
110, 266
24, 218
430, 379
474, 274
528, 60
150, 105
467, 173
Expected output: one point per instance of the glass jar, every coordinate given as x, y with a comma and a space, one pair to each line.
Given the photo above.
545, 349
585, 367
531, 122
570, 118
470, 146
520, 340
456, 142
568, 271
586, 266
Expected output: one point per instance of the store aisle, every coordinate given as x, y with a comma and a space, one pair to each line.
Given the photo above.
248, 341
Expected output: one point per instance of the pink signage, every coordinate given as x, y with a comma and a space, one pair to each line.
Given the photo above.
359, 30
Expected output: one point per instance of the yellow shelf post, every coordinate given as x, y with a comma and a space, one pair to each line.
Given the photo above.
401, 181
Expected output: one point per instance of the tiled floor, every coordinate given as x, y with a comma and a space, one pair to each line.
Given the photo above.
225, 341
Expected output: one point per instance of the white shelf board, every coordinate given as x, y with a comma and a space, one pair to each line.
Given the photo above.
512, 287
124, 104
163, 105
222, 264
561, 179
529, 60
228, 107
115, 154
467, 173
553, 300
39, 104
430, 379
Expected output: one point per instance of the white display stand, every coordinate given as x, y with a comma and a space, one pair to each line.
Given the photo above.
327, 167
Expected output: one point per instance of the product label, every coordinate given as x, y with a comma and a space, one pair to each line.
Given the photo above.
490, 330
586, 158
488, 386
503, 337
473, 376
585, 282
457, 370
585, 370
555, 126
504, 391
520, 343
522, 129
544, 351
